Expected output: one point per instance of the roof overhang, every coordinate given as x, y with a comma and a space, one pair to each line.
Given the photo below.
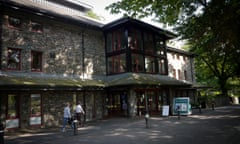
143, 79
137, 23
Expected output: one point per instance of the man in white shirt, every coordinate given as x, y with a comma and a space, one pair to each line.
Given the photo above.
79, 111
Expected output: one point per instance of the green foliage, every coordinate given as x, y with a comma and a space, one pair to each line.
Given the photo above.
212, 28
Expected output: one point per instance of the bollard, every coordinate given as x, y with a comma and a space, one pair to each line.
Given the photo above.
1, 133
146, 119
75, 128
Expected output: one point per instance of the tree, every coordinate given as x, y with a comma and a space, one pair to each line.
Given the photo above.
212, 28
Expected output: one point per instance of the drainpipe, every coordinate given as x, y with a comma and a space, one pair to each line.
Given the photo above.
1, 14
83, 56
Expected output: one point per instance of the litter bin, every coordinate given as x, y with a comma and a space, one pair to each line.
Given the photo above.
1, 133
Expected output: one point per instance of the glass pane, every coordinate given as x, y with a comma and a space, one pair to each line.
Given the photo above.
109, 42
162, 66
117, 64
135, 39
12, 109
35, 105
150, 65
148, 43
137, 63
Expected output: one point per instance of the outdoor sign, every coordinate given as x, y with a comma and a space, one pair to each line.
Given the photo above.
182, 106
12, 123
165, 110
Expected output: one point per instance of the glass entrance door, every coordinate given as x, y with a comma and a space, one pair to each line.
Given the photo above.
117, 104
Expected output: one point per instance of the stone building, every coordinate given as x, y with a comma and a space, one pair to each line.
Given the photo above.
52, 54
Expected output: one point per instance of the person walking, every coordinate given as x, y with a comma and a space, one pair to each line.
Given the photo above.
66, 116
79, 111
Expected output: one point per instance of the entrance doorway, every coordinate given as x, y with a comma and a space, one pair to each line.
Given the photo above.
151, 100
117, 104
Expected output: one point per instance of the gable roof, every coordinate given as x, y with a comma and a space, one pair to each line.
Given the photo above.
128, 20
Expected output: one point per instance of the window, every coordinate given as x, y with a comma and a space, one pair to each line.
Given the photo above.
135, 39
179, 75
36, 27
117, 64
150, 64
116, 41
35, 105
14, 59
35, 114
14, 22
162, 66
13, 106
148, 43
137, 63
185, 75
36, 61
174, 73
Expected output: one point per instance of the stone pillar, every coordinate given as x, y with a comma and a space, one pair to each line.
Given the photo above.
132, 103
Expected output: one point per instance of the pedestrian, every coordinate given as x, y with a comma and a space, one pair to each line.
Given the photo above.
79, 110
66, 116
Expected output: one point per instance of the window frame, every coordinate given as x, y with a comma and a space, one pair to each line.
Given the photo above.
39, 26
13, 57
18, 26
40, 57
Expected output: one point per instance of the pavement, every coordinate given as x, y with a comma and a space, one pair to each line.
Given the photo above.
219, 126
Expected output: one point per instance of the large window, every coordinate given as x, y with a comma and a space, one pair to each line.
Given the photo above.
36, 61
148, 43
145, 52
135, 39
117, 64
150, 64
14, 59
116, 41
137, 63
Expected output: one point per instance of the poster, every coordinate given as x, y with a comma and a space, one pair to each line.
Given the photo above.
182, 105
165, 110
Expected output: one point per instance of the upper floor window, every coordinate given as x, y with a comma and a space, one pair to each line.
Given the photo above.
117, 64
36, 61
150, 64
137, 63
14, 22
135, 39
36, 27
162, 66
116, 41
14, 59
148, 43
140, 54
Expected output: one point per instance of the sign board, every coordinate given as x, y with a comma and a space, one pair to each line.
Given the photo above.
182, 105
12, 123
165, 110
35, 121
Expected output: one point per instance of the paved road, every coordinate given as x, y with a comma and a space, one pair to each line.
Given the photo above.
221, 126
